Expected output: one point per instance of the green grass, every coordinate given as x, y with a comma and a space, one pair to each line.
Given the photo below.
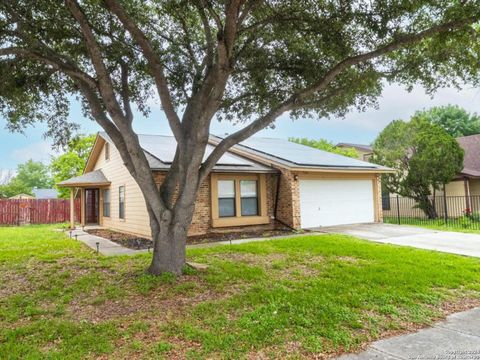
458, 225
300, 297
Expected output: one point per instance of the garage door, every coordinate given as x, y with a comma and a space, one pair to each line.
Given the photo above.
336, 202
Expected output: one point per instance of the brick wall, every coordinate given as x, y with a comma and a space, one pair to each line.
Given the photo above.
202, 217
288, 208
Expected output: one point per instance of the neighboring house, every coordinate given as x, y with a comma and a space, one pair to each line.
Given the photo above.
45, 193
463, 191
22, 197
260, 183
365, 152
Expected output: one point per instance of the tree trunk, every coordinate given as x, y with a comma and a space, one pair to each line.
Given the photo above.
428, 208
169, 241
168, 250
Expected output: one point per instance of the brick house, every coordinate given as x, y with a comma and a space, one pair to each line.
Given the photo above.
262, 182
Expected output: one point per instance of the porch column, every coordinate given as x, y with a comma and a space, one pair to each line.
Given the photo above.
72, 208
82, 206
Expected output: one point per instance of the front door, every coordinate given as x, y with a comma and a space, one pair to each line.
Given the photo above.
91, 206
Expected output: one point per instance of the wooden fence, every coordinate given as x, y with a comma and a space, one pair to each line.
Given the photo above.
36, 211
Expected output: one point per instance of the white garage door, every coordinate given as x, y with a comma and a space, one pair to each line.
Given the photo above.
336, 202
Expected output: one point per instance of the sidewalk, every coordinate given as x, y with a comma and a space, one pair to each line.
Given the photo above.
457, 338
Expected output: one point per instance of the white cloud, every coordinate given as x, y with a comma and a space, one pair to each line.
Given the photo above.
39, 151
397, 103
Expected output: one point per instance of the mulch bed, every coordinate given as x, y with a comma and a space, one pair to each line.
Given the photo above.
137, 243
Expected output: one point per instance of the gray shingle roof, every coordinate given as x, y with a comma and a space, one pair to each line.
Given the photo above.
296, 155
94, 178
471, 161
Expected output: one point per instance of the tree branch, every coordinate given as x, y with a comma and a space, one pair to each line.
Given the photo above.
56, 63
105, 82
156, 66
298, 99
208, 35
126, 92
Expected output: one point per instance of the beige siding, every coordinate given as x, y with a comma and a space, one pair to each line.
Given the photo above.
454, 188
456, 202
136, 216
474, 187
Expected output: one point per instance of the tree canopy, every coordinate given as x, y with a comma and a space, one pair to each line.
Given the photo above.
29, 175
424, 156
72, 162
246, 61
454, 119
326, 145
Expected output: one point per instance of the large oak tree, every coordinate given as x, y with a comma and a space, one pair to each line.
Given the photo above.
247, 61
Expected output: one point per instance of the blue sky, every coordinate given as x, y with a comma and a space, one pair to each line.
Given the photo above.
395, 103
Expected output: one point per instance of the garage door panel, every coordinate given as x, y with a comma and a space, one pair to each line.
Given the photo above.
336, 202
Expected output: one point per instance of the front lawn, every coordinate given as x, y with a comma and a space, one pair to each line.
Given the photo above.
302, 297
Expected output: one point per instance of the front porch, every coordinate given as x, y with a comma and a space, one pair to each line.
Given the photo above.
89, 187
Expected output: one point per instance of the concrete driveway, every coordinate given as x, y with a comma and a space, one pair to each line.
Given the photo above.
456, 338
445, 241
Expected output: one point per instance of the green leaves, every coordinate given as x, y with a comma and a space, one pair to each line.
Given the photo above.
453, 119
31, 174
326, 145
72, 162
279, 49
423, 154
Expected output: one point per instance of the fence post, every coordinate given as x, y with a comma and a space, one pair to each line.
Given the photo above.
445, 212
398, 210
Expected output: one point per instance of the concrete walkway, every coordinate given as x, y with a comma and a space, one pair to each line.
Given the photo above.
109, 248
457, 338
445, 241
105, 246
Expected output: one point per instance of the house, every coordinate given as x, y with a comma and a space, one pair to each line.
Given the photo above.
262, 182
462, 193
365, 152
45, 193
21, 197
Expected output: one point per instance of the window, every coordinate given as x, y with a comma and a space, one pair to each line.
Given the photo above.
226, 198
106, 203
121, 202
385, 200
107, 151
249, 198
239, 199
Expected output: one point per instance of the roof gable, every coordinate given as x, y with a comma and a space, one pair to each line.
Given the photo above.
95, 152
160, 151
